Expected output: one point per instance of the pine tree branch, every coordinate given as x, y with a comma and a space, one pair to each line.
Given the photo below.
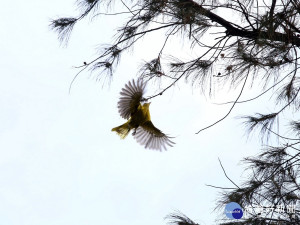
250, 34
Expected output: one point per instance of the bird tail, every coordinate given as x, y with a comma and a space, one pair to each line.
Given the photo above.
122, 130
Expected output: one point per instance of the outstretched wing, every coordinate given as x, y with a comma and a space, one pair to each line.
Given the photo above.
130, 98
152, 138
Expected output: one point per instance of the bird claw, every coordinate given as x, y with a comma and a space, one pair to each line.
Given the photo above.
134, 132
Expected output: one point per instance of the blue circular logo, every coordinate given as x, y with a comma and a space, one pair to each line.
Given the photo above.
233, 210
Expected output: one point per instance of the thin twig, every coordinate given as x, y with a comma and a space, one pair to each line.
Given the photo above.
229, 109
226, 174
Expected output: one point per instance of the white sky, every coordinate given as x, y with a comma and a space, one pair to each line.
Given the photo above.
61, 164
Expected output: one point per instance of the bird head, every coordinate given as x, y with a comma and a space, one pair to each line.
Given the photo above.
147, 104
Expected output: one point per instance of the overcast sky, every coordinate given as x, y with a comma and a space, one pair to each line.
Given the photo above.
61, 164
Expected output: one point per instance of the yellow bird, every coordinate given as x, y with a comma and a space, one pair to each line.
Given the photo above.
139, 119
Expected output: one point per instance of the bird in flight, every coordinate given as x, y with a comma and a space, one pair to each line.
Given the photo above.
139, 120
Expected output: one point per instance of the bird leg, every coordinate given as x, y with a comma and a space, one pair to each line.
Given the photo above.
134, 132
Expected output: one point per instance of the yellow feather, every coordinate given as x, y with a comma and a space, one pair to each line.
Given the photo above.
130, 107
122, 130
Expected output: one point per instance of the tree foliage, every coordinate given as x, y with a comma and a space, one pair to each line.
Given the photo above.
250, 42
